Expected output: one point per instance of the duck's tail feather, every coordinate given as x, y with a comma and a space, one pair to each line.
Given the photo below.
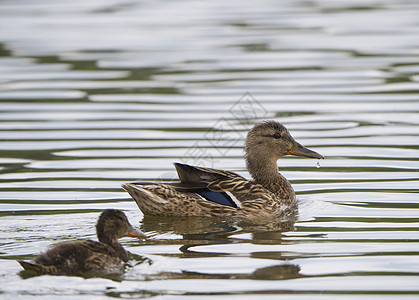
148, 202
30, 266
165, 199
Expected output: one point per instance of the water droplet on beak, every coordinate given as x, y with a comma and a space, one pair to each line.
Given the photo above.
318, 164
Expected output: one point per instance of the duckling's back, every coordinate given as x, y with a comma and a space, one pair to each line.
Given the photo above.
75, 258
30, 266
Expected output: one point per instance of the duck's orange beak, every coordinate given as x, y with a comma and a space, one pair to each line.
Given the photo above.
132, 232
299, 150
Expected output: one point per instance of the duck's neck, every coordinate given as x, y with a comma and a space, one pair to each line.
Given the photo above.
120, 251
264, 171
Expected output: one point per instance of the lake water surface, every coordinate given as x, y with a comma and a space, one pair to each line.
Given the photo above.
97, 93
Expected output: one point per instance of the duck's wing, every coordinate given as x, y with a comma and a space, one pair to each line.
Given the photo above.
102, 263
201, 192
98, 247
193, 174
192, 177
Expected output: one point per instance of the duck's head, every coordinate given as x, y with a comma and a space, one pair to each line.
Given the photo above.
113, 224
271, 140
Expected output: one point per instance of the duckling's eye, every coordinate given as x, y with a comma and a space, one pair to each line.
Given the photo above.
277, 135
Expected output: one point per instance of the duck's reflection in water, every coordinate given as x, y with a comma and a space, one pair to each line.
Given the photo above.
192, 233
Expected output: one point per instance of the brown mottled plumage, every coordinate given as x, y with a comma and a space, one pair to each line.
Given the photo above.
78, 257
267, 195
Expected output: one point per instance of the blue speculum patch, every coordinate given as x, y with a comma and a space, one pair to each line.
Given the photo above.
217, 197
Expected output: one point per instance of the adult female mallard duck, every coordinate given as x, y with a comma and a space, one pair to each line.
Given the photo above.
79, 257
210, 192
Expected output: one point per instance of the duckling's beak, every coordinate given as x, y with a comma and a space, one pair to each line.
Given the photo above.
299, 150
132, 232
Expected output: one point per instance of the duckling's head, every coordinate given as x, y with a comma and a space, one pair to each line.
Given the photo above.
113, 224
271, 140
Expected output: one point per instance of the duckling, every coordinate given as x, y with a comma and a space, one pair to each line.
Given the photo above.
216, 193
79, 257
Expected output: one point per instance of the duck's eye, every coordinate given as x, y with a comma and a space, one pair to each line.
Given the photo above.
277, 135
